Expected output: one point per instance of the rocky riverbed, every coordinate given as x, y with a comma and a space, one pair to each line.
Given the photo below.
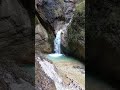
59, 74
71, 71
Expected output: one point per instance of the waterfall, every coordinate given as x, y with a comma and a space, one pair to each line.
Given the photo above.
57, 42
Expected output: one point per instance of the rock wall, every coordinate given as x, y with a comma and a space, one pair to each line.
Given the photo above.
48, 14
41, 38
50, 10
16, 46
75, 37
16, 31
103, 39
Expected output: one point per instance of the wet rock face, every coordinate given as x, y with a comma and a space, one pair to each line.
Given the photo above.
15, 31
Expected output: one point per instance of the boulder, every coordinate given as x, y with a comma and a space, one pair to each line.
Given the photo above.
41, 39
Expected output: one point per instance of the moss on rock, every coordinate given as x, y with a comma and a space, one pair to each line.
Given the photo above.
76, 32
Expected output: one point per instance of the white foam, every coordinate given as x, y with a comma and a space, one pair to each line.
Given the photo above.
55, 55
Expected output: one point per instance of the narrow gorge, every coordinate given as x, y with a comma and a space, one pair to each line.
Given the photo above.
53, 46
